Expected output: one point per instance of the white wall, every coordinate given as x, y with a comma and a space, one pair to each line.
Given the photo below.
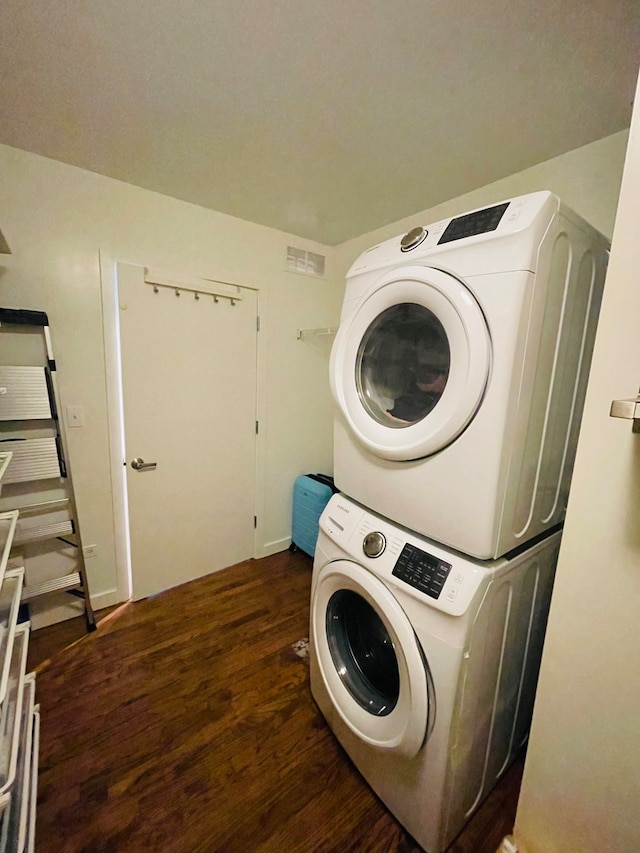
581, 785
587, 180
60, 221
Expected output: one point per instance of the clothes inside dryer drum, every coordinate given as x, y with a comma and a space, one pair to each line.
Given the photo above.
403, 365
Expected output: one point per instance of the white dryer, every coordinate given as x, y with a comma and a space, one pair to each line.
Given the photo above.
424, 662
459, 371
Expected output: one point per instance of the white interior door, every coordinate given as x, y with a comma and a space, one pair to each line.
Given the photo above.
189, 402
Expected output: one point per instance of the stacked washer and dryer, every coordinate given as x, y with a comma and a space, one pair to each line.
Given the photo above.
459, 372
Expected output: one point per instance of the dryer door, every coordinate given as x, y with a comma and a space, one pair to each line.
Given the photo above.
410, 367
370, 660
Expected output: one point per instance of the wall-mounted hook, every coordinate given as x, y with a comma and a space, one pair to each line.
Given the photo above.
197, 295
156, 289
177, 292
215, 299
232, 301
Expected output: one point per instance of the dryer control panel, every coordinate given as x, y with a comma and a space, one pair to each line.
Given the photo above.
524, 219
471, 224
421, 570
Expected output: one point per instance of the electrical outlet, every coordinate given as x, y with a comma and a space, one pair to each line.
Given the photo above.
90, 550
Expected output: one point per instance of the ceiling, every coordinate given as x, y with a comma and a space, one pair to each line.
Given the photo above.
324, 119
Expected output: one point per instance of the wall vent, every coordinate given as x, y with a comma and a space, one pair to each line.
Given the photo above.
307, 263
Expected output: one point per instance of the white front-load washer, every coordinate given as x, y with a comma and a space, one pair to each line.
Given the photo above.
424, 662
459, 371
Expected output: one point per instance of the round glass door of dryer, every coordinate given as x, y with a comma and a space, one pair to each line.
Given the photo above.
402, 365
410, 367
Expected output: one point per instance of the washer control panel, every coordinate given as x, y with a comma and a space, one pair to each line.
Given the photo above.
421, 570
374, 544
407, 564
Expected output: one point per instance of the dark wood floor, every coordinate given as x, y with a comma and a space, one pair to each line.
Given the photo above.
185, 724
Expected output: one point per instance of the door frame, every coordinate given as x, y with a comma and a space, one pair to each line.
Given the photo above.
108, 265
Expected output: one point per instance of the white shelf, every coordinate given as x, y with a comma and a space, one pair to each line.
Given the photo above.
25, 394
325, 331
38, 474
45, 531
16, 820
33, 790
9, 603
11, 711
5, 458
55, 585
8, 525
33, 459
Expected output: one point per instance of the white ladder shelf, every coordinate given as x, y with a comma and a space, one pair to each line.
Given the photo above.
34, 440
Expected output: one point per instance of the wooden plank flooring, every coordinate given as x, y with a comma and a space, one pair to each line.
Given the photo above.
185, 724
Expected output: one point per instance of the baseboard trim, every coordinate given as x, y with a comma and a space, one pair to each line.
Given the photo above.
270, 548
105, 599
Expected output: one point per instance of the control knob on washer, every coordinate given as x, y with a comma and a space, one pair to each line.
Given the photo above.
374, 544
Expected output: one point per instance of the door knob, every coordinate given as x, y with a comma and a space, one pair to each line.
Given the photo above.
629, 409
139, 464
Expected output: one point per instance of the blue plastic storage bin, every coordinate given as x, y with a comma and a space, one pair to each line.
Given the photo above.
311, 493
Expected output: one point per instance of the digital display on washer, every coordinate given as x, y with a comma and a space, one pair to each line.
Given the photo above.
421, 570
471, 224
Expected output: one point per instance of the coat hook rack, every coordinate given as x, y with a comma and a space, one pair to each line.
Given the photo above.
199, 287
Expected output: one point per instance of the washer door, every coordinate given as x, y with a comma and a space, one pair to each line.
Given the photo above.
410, 368
370, 660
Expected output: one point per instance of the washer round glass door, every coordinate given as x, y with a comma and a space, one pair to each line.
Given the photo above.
369, 659
410, 367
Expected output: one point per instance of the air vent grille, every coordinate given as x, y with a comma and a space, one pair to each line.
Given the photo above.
307, 263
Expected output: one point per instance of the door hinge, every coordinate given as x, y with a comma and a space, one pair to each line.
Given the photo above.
257, 324
257, 427
255, 521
